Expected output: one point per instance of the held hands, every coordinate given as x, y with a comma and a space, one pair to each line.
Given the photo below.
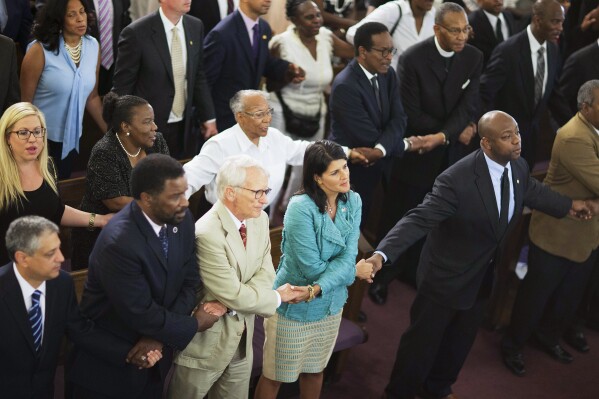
205, 320
424, 144
364, 271
591, 20
357, 157
146, 353
208, 130
581, 209
371, 154
295, 294
467, 134
215, 308
295, 74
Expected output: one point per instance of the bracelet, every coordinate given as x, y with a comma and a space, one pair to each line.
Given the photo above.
445, 141
408, 144
92, 222
311, 293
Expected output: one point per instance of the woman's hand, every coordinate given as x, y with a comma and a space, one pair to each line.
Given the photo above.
102, 220
364, 270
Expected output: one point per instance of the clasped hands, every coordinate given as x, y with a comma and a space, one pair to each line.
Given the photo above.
584, 209
296, 294
366, 269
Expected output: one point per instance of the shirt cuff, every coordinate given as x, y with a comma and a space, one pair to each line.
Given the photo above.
210, 120
347, 150
383, 255
278, 298
380, 147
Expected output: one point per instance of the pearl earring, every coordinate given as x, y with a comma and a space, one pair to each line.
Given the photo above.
127, 134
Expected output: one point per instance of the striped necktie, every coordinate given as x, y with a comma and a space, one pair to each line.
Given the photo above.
178, 74
540, 75
35, 318
105, 23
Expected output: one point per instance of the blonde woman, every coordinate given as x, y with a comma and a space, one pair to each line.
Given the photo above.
27, 176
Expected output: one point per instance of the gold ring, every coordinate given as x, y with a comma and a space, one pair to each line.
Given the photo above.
143, 358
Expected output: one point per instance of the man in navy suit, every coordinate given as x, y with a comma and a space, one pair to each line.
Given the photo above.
366, 110
142, 283
509, 80
16, 23
144, 67
37, 308
237, 57
466, 217
491, 25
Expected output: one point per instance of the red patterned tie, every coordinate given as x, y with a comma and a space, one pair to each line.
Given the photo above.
243, 233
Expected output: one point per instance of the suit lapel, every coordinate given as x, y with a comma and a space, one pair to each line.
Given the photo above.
367, 88
527, 71
551, 70
436, 62
452, 88
485, 189
148, 232
517, 186
13, 298
234, 238
161, 45
488, 29
51, 308
190, 46
244, 40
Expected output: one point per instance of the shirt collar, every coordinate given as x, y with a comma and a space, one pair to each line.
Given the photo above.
249, 23
444, 54
368, 74
168, 25
237, 222
245, 143
495, 169
492, 18
26, 288
155, 227
534, 44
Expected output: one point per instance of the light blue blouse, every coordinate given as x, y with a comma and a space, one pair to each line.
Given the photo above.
318, 250
63, 89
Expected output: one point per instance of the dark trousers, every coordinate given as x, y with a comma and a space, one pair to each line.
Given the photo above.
547, 299
64, 167
152, 390
174, 134
364, 181
432, 351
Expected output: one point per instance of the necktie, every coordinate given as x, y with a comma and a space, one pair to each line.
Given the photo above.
498, 31
377, 94
230, 6
505, 202
178, 74
105, 24
540, 75
243, 234
163, 241
255, 42
35, 318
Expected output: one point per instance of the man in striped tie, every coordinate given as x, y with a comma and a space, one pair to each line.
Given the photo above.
37, 308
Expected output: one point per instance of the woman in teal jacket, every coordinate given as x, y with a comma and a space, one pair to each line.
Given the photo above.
320, 245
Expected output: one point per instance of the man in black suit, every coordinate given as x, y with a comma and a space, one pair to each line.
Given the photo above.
37, 308
142, 283
16, 23
579, 68
237, 57
178, 91
211, 12
466, 217
513, 82
491, 25
10, 92
366, 110
439, 80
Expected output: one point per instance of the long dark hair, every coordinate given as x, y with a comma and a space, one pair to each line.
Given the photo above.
49, 22
317, 159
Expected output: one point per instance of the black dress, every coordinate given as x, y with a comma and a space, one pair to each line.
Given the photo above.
108, 175
41, 202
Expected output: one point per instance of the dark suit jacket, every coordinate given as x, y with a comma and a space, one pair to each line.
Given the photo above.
579, 68
507, 84
10, 92
484, 34
207, 11
25, 374
18, 26
355, 117
143, 68
133, 291
230, 66
436, 101
460, 217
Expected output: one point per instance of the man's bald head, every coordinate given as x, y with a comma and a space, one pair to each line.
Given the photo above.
500, 137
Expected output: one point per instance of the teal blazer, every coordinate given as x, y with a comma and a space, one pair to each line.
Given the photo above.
317, 250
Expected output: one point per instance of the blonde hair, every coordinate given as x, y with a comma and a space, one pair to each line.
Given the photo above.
11, 190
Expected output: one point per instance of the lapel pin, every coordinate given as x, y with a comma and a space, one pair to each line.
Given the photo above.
263, 37
342, 209
517, 181
175, 229
191, 42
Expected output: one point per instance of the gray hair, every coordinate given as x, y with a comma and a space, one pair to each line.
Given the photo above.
233, 172
24, 234
237, 101
585, 93
445, 9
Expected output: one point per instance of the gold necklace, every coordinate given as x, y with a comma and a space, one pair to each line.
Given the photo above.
329, 208
74, 52
123, 147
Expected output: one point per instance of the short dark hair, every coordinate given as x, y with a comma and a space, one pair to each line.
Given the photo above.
49, 22
364, 35
151, 173
117, 110
445, 9
317, 159
292, 6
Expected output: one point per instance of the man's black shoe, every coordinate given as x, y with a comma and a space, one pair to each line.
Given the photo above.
577, 341
514, 362
558, 353
378, 293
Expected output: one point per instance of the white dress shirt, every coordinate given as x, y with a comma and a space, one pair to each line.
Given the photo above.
223, 7
496, 171
27, 290
534, 48
275, 151
493, 21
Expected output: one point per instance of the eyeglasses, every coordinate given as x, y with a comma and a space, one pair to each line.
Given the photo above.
24, 134
456, 31
257, 193
260, 114
385, 52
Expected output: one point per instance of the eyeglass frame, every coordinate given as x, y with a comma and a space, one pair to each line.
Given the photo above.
268, 113
31, 132
455, 32
257, 194
385, 52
